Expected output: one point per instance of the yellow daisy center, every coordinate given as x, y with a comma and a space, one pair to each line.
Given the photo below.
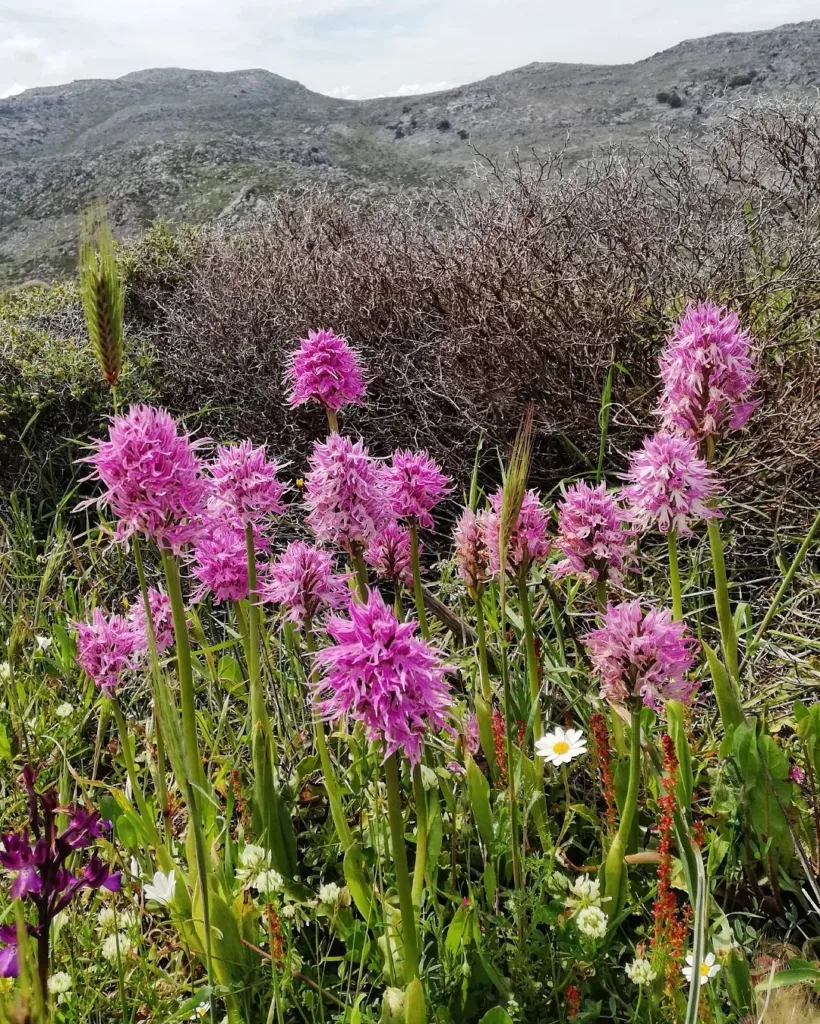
560, 747
704, 970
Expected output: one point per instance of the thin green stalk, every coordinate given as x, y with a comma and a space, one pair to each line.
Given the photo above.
728, 636
417, 591
162, 783
532, 657
332, 420
601, 594
508, 714
420, 797
674, 576
483, 668
331, 782
615, 869
131, 769
408, 916
361, 571
784, 586
185, 671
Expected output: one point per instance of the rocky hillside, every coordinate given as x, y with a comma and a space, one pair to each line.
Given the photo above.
200, 146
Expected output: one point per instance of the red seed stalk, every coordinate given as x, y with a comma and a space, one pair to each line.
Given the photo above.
602, 762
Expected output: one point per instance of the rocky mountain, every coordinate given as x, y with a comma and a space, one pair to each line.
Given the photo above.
201, 146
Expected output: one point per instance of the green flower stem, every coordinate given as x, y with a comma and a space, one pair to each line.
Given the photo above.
417, 591
615, 869
481, 630
331, 782
332, 420
601, 594
408, 916
162, 783
260, 720
361, 570
674, 576
505, 681
193, 762
532, 657
723, 607
420, 797
131, 769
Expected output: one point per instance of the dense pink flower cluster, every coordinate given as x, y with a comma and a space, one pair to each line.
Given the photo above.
153, 479
245, 484
379, 673
416, 486
472, 553
326, 369
592, 534
670, 485
646, 654
390, 555
707, 371
345, 493
302, 580
528, 543
220, 561
161, 617
107, 649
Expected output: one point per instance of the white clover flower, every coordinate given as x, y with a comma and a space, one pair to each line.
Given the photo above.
254, 861
640, 972
269, 881
584, 892
329, 894
561, 745
64, 710
708, 968
591, 921
117, 941
109, 920
162, 889
59, 983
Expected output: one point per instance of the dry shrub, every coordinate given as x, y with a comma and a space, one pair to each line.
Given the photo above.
468, 305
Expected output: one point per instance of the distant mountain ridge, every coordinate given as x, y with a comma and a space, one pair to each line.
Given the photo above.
203, 146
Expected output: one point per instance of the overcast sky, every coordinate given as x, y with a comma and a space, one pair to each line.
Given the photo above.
354, 48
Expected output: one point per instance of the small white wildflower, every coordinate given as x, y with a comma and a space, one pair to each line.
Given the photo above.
115, 941
253, 862
561, 745
269, 881
429, 779
329, 894
43, 642
5, 670
201, 1012
59, 983
512, 1007
640, 972
161, 889
708, 968
584, 892
394, 1001
110, 921
64, 710
591, 921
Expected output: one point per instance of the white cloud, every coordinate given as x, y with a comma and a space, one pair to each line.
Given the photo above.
341, 92
13, 90
418, 90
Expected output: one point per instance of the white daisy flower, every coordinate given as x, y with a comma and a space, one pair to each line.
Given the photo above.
161, 890
708, 969
561, 745
640, 972
201, 1012
592, 922
269, 881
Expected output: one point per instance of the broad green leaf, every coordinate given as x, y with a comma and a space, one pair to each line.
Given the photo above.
360, 889
415, 1011
480, 803
498, 1015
